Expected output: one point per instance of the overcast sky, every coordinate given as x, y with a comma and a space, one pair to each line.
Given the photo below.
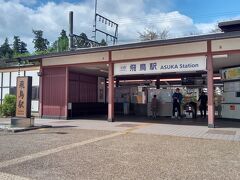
180, 17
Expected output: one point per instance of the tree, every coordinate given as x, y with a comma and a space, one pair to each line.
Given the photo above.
19, 47
103, 43
53, 47
63, 41
5, 50
61, 44
23, 48
150, 34
40, 44
9, 105
16, 44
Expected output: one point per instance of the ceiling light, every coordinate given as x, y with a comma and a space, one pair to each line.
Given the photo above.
92, 68
220, 56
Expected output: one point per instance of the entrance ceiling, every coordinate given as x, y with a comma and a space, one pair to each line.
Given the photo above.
96, 69
224, 61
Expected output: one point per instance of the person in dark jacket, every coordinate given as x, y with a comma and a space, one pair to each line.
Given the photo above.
154, 106
177, 100
203, 99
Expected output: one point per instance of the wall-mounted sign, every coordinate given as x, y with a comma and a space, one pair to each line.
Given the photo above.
161, 66
24, 96
231, 73
101, 89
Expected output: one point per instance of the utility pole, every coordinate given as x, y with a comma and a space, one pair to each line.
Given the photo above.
106, 21
71, 30
95, 22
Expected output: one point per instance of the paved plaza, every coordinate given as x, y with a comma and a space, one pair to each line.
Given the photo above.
96, 149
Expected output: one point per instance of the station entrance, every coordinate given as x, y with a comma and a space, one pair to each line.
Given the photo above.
138, 82
87, 87
135, 84
134, 95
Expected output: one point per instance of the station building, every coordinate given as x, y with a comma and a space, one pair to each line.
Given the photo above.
99, 80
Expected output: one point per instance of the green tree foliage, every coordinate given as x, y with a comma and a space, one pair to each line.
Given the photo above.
103, 43
23, 48
5, 50
9, 105
19, 47
63, 42
53, 47
16, 44
40, 44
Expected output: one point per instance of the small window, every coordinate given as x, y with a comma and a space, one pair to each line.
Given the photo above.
6, 79
237, 94
13, 91
35, 77
14, 76
5, 91
35, 93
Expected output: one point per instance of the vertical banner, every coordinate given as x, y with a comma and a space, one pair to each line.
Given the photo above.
24, 97
101, 89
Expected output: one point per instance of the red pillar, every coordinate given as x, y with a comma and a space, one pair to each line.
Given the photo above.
210, 87
41, 90
66, 91
110, 89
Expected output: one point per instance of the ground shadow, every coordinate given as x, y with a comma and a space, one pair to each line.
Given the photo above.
219, 123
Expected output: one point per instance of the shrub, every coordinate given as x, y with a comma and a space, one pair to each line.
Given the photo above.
1, 110
9, 105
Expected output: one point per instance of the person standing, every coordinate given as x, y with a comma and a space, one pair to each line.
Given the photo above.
126, 104
203, 99
177, 100
154, 105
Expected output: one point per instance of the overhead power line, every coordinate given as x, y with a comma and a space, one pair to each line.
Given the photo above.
158, 18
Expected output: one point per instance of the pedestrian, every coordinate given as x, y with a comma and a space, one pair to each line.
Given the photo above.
154, 106
126, 104
177, 100
203, 99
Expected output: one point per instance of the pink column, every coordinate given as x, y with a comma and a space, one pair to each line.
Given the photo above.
41, 91
66, 91
210, 87
110, 90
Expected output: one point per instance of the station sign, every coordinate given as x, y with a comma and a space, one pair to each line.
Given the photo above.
24, 95
188, 64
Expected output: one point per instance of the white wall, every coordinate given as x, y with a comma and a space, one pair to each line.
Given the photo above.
8, 81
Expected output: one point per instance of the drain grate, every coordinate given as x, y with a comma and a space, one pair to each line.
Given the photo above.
127, 125
60, 133
222, 132
61, 122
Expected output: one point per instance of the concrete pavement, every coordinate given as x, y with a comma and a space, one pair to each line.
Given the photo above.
116, 155
95, 149
226, 131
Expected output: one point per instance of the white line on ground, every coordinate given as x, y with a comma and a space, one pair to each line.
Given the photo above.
66, 147
5, 176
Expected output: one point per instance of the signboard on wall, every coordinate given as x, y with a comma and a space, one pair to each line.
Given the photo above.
189, 64
231, 73
24, 96
101, 89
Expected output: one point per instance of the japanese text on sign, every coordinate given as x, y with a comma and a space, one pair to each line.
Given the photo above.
22, 97
161, 66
